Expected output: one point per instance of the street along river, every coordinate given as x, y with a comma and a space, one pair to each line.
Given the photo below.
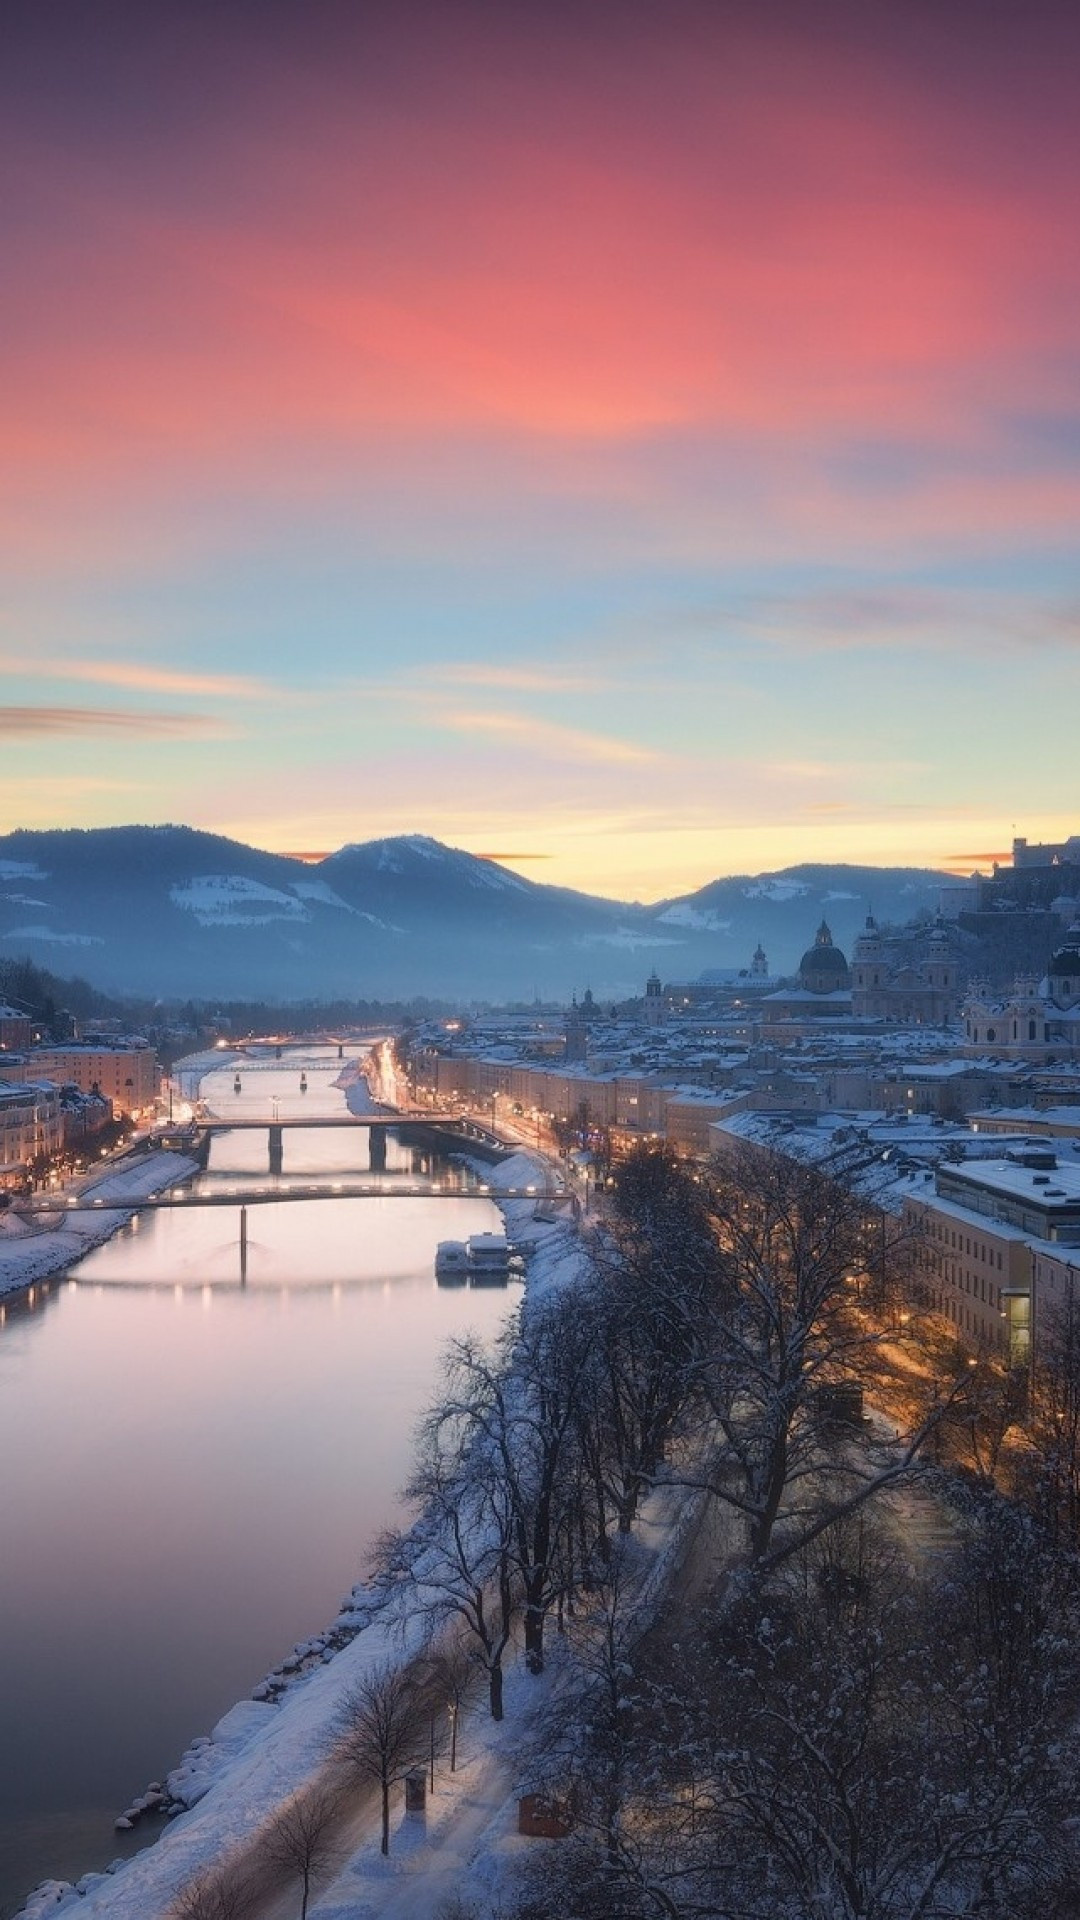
192, 1469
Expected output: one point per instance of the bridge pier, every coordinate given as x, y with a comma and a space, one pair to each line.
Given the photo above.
277, 1148
243, 1246
377, 1150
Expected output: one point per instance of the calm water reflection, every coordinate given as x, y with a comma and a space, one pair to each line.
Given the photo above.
192, 1471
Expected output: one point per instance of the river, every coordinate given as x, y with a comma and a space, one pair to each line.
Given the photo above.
193, 1469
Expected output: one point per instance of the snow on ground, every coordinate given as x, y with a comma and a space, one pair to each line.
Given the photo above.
33, 1250
261, 1754
467, 1838
776, 890
700, 919
55, 939
628, 938
232, 900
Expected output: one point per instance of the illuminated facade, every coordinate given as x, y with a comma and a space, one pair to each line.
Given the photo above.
31, 1127
128, 1076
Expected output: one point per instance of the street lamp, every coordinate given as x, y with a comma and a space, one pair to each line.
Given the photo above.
451, 1708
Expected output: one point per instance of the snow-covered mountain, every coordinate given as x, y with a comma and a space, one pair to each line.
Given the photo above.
171, 911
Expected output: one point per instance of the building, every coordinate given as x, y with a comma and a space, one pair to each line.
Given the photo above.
1036, 1023
126, 1075
576, 1046
1044, 876
907, 974
31, 1128
86, 1115
654, 1000
975, 1269
1057, 1283
16, 1030
824, 985
1032, 1187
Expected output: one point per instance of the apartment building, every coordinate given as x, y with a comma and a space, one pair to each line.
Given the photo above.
16, 1030
31, 1124
975, 1270
126, 1075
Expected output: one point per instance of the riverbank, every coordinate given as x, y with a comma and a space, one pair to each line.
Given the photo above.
263, 1750
40, 1249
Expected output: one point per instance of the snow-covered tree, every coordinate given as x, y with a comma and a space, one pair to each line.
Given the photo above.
792, 1330
840, 1741
514, 1415
658, 1283
214, 1893
301, 1839
380, 1733
456, 1562
1054, 1425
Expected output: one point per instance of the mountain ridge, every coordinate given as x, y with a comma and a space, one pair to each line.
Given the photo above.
175, 910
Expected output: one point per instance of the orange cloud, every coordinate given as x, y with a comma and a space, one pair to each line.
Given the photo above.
141, 679
544, 736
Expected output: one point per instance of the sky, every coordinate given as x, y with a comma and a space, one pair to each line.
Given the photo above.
639, 441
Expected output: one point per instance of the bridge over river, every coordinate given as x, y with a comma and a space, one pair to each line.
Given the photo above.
254, 1196
195, 1137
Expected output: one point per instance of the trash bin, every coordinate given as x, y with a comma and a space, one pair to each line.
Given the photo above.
416, 1791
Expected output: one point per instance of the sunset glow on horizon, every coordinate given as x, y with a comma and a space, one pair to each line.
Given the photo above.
644, 439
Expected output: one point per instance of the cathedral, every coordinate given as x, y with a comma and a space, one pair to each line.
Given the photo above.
1040, 1024
824, 985
908, 974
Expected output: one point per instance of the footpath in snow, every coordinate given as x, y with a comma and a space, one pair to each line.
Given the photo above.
262, 1753
265, 1751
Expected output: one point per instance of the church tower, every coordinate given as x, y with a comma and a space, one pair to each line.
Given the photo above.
654, 1000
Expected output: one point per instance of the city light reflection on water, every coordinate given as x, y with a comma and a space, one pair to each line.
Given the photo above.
196, 1489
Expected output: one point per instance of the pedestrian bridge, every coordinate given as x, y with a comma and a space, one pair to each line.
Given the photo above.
236, 1195
401, 1117
198, 1134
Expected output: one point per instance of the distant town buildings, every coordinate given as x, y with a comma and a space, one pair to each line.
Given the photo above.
16, 1030
932, 1069
1036, 1022
125, 1074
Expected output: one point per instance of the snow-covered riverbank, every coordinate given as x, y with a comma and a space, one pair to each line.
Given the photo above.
38, 1249
262, 1752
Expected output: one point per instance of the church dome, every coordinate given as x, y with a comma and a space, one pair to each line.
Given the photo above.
823, 968
1067, 957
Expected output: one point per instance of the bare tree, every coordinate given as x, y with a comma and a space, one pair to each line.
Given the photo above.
658, 1281
836, 1742
453, 1671
300, 1839
993, 1403
789, 1331
380, 1734
1054, 1427
646, 1317
456, 1561
514, 1415
213, 1894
